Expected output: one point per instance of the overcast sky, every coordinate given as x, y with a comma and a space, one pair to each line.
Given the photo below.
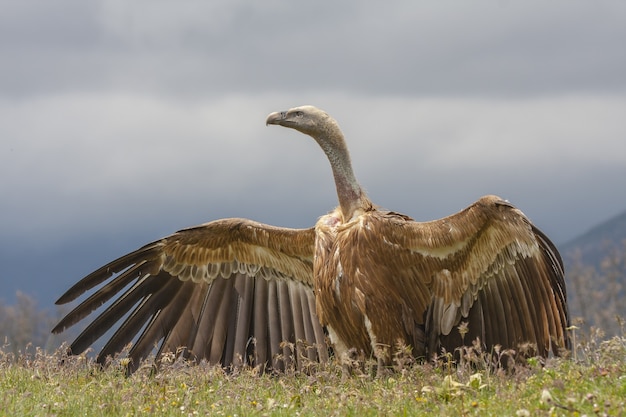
125, 121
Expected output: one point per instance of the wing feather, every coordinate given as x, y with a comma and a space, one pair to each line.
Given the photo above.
320, 336
261, 340
275, 327
298, 320
245, 288
221, 323
508, 322
286, 322
309, 332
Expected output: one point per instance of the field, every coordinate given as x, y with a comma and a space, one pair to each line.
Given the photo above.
591, 382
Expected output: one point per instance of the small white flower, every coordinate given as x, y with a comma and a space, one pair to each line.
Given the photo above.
546, 397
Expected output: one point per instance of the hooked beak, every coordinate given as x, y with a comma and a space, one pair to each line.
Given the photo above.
276, 118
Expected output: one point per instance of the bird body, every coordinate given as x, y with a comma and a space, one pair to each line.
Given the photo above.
358, 289
233, 291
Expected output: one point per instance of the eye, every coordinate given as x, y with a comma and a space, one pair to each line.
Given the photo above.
299, 114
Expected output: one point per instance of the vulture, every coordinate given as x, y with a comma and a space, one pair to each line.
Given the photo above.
235, 292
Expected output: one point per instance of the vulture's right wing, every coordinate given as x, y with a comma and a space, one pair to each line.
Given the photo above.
231, 291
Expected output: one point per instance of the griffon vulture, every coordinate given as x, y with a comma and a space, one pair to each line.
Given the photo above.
236, 292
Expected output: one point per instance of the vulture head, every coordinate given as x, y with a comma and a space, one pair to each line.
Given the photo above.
307, 119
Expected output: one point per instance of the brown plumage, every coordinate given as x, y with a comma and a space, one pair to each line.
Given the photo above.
233, 291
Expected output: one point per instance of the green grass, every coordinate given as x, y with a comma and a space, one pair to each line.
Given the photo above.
594, 383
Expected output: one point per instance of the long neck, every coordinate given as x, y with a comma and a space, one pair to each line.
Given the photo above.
351, 196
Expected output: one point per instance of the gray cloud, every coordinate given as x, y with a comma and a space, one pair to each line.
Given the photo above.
488, 48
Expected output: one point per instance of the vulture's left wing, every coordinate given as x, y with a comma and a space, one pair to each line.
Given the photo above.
230, 291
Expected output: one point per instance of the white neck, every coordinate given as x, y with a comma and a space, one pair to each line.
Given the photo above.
350, 194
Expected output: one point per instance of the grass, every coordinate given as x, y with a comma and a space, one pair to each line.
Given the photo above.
594, 383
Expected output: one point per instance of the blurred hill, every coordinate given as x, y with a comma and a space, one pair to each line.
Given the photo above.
595, 267
594, 244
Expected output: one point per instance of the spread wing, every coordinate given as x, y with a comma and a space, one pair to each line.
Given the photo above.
487, 266
230, 291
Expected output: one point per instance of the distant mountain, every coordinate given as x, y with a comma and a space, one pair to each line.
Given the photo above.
595, 267
597, 242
